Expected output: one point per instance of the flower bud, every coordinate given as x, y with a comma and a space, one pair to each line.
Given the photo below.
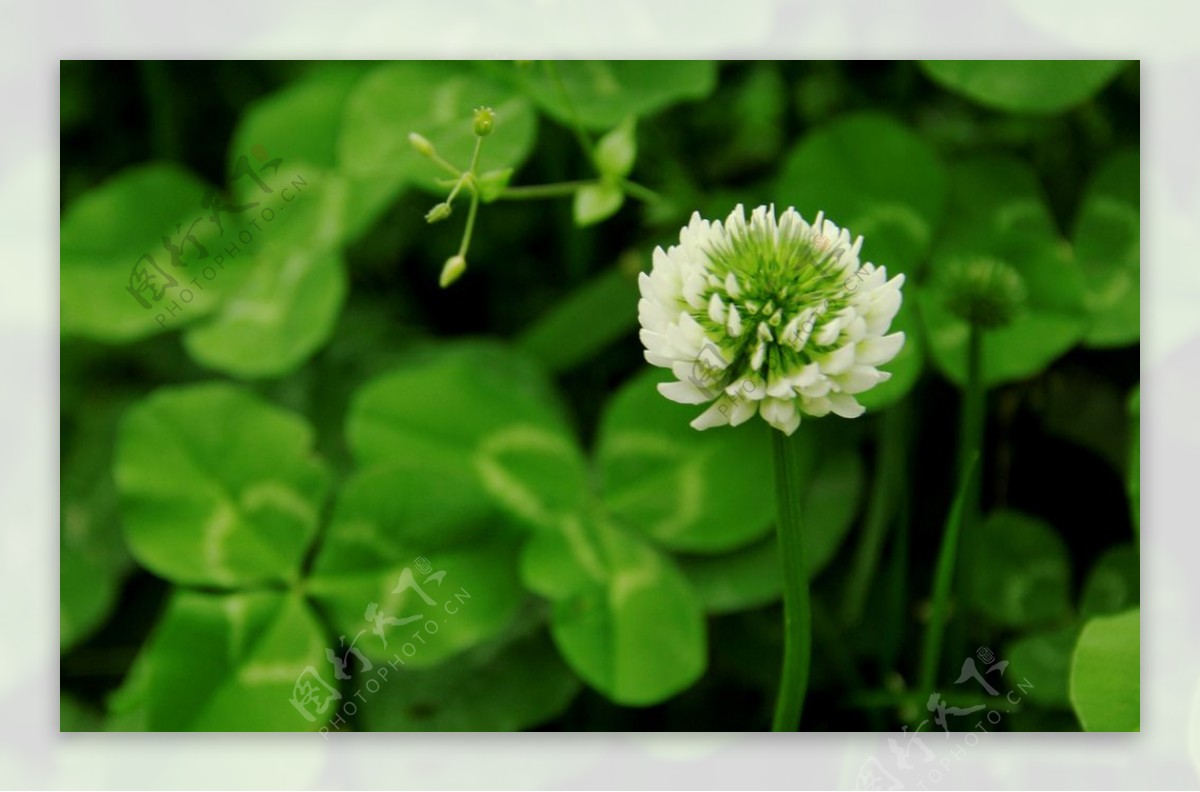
985, 292
485, 119
420, 144
438, 213
454, 268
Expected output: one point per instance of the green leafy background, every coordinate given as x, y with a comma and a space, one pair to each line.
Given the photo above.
315, 474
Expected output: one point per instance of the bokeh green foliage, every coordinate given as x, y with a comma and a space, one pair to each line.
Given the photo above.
266, 463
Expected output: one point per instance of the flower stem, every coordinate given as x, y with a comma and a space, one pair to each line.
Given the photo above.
561, 189
474, 210
971, 432
797, 608
535, 191
943, 578
963, 513
886, 491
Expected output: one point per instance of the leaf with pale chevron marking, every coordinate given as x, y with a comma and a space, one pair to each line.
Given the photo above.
218, 487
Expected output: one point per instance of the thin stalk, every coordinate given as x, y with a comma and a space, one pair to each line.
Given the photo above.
640, 193
536, 191
970, 438
797, 606
562, 189
470, 229
942, 582
474, 210
890, 473
971, 432
444, 164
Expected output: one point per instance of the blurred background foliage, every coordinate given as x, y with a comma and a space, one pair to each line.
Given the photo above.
248, 466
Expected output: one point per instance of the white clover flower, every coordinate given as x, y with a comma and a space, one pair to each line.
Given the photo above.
776, 317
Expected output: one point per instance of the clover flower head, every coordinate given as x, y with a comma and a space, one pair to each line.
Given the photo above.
982, 291
768, 316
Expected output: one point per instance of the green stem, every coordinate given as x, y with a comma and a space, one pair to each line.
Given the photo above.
797, 608
970, 438
943, 579
536, 191
971, 432
643, 194
474, 210
442, 163
885, 491
470, 229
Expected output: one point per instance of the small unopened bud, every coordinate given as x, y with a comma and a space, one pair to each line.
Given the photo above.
438, 213
985, 292
454, 268
485, 119
421, 144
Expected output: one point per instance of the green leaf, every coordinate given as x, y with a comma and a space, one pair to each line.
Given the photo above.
218, 487
481, 407
436, 100
597, 202
997, 211
908, 364
1041, 86
505, 686
750, 576
93, 561
119, 228
1112, 585
227, 662
1105, 670
285, 310
446, 400
1107, 244
689, 491
398, 525
746, 578
872, 175
302, 123
617, 150
584, 321
1045, 660
604, 93
1020, 571
624, 618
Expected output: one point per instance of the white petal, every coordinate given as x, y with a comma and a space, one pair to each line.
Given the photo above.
815, 407
780, 413
837, 361
743, 410
759, 356
717, 415
829, 332
809, 375
716, 309
734, 324
732, 288
845, 405
860, 378
684, 392
877, 350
